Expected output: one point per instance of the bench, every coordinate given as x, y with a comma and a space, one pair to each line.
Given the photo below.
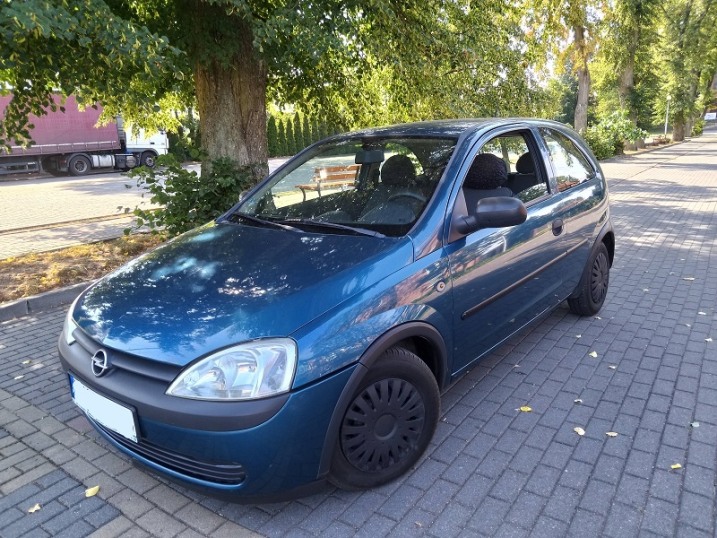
656, 140
331, 177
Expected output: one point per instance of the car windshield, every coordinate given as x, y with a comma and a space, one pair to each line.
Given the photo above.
378, 186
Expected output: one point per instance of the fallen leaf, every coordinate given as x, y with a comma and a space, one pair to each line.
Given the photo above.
593, 354
18, 377
695, 424
91, 492
611, 434
578, 401
675, 466
525, 409
34, 509
689, 278
579, 431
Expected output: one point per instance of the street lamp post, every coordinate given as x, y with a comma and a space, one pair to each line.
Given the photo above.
667, 114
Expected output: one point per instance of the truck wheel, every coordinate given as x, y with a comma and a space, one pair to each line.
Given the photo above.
79, 166
147, 159
388, 424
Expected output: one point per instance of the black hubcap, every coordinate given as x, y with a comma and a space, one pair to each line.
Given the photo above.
383, 424
599, 280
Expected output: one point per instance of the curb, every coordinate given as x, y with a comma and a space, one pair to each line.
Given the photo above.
43, 301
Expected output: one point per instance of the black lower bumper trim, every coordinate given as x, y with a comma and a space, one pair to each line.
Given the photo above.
232, 474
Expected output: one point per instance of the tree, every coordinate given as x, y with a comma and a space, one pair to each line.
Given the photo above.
272, 137
230, 54
298, 134
558, 21
51, 45
282, 149
290, 138
687, 58
306, 129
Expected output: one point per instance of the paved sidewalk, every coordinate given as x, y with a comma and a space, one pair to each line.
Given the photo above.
491, 470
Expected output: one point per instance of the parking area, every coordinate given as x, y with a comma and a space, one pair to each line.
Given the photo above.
644, 369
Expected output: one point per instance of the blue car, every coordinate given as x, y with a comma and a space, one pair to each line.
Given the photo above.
307, 334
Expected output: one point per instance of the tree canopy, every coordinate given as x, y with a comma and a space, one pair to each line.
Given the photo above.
356, 63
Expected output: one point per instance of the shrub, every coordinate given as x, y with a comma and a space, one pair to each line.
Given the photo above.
600, 141
608, 136
698, 127
185, 199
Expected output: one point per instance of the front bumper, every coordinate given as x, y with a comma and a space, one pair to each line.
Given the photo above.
245, 450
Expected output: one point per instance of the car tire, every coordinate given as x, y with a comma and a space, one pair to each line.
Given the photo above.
593, 285
79, 165
388, 424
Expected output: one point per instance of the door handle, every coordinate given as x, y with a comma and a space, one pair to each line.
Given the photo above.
557, 227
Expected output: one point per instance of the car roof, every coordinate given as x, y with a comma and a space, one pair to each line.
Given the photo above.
444, 128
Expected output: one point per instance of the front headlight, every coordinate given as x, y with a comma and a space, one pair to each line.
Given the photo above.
244, 372
70, 324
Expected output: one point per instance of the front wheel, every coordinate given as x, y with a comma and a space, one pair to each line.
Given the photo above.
388, 424
147, 159
593, 285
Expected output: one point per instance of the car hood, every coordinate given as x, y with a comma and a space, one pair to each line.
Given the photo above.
225, 283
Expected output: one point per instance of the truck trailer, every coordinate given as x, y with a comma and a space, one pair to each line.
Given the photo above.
71, 142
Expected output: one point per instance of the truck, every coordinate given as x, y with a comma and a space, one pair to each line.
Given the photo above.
72, 142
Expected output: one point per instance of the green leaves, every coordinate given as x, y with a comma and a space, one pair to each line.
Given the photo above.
185, 199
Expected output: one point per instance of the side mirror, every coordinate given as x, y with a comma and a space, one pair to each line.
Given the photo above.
494, 212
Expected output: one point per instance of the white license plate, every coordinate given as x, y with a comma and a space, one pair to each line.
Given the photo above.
111, 415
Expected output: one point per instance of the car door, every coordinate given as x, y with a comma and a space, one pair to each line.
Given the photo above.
504, 277
578, 193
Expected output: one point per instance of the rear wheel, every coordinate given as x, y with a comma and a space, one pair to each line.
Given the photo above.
79, 165
593, 285
388, 424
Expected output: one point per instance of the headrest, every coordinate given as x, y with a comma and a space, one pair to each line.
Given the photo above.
486, 172
398, 170
524, 164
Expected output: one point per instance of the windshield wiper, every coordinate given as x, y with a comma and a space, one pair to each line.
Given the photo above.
326, 225
257, 221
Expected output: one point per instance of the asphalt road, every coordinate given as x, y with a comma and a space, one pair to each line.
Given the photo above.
645, 368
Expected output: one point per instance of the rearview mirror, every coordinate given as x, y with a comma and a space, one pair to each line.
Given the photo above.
368, 156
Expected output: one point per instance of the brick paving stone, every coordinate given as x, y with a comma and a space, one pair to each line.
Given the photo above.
490, 470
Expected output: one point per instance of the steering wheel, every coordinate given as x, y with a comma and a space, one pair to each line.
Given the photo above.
407, 194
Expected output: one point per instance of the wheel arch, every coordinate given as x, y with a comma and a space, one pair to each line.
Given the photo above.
422, 339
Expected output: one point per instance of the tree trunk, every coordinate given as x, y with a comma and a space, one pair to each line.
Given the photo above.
627, 83
678, 129
581, 107
231, 98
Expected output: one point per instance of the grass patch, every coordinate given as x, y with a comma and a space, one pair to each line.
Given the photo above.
27, 275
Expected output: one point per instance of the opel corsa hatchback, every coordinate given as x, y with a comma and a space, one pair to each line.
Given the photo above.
308, 332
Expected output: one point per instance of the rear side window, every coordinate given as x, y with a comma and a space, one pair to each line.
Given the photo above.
571, 166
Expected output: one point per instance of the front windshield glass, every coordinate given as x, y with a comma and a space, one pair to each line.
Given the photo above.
379, 185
